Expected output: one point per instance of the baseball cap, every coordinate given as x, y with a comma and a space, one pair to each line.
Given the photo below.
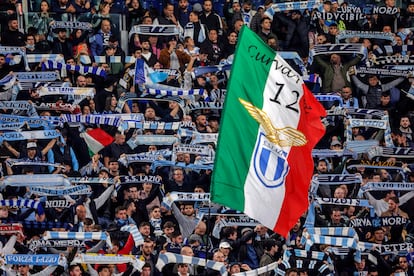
245, 230
335, 143
224, 245
194, 238
31, 145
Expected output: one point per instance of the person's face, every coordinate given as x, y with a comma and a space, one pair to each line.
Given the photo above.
399, 41
150, 113
405, 122
339, 193
156, 213
333, 30
232, 38
106, 26
193, 17
30, 40
147, 248
62, 35
146, 271
182, 269
13, 25
386, 29
183, 4
120, 140
133, 192
392, 206
402, 261
410, 8
86, 110
236, 7
373, 81
201, 120
148, 21
385, 100
145, 45
23, 269
81, 213
92, 104
188, 210
147, 186
390, 3
81, 81
238, 25
235, 269
346, 93
361, 265
322, 167
145, 230
266, 24
335, 59
208, 6
44, 7
178, 175
379, 235
168, 230
169, 11
76, 271
31, 153
113, 166
121, 214
219, 257
336, 216
135, 4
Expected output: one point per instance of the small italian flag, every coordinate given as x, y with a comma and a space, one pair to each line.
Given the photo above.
96, 139
270, 124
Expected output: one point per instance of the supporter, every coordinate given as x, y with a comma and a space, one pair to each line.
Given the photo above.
403, 262
348, 98
371, 92
11, 36
195, 30
297, 37
211, 19
257, 18
232, 12
101, 38
81, 6
42, 21
334, 72
405, 128
395, 232
182, 12
265, 29
270, 254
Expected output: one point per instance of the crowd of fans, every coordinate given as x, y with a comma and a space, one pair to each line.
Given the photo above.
192, 58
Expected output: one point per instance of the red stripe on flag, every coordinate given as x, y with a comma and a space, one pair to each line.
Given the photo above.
300, 161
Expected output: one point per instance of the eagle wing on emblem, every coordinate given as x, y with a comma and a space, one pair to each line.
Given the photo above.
283, 137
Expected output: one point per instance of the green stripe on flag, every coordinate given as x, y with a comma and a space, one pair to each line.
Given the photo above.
238, 131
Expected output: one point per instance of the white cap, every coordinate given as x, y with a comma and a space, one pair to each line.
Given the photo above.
31, 145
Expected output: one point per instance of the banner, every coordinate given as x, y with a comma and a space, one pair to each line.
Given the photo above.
154, 179
167, 258
71, 25
20, 180
60, 191
288, 6
35, 244
72, 91
351, 48
15, 105
28, 135
157, 30
378, 221
39, 259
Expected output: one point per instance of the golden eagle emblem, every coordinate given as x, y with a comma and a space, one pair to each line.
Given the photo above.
284, 137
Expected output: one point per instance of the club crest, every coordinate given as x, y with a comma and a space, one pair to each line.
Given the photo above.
270, 164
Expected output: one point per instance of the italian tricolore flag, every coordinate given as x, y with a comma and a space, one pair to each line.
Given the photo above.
270, 124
